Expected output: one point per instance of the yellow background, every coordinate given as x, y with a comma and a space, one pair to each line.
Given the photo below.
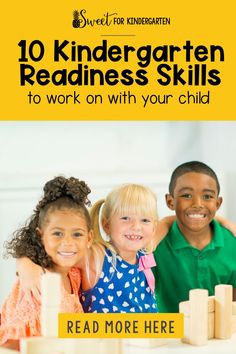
138, 332
202, 22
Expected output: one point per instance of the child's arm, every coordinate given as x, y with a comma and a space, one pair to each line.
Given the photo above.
163, 227
227, 224
90, 277
29, 274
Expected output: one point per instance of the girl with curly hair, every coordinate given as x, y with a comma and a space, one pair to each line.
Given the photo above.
56, 237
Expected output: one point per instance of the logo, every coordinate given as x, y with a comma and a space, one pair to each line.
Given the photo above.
76, 21
81, 20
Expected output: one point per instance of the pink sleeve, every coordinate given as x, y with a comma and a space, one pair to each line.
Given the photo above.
19, 317
75, 278
71, 302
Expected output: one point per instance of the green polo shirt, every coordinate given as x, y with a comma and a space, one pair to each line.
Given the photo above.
181, 267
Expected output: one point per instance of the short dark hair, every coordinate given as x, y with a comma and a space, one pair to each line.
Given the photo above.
192, 166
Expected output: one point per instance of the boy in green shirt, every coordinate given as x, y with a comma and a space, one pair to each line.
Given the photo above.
197, 252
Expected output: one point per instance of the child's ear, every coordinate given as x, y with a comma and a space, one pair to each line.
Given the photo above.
38, 232
170, 201
90, 238
106, 226
219, 202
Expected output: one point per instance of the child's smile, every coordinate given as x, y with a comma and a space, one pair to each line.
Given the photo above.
195, 219
133, 237
66, 254
196, 216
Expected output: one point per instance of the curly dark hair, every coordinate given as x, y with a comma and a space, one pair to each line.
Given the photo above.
59, 193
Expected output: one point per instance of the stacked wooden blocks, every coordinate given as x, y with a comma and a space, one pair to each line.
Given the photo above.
49, 343
146, 343
50, 307
8, 351
51, 299
207, 317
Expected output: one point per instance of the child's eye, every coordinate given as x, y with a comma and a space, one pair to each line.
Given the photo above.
77, 234
207, 196
124, 218
57, 233
186, 196
146, 221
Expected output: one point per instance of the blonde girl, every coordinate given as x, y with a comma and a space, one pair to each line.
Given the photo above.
124, 282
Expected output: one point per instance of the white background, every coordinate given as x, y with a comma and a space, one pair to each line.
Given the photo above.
104, 154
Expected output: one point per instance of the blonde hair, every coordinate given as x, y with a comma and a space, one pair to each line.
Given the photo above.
125, 199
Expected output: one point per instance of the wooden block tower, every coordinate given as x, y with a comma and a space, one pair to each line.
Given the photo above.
223, 311
207, 317
49, 343
51, 298
50, 307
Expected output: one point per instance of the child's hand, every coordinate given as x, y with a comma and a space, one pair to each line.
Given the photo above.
227, 224
29, 274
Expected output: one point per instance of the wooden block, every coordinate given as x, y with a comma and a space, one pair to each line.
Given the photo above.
8, 351
211, 325
49, 321
198, 328
234, 307
146, 343
51, 298
184, 306
211, 303
233, 323
97, 346
223, 311
185, 339
51, 289
41, 345
108, 346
